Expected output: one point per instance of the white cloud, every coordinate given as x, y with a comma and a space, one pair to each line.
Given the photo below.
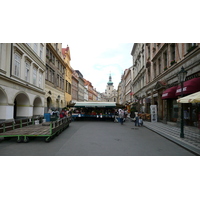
97, 60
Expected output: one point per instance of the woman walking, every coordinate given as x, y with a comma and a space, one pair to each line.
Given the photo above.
136, 118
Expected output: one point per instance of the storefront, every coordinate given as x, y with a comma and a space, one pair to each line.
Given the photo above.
191, 110
172, 106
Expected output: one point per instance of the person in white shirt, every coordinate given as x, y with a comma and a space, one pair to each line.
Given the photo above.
121, 116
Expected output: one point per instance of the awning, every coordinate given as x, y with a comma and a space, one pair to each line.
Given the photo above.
193, 98
170, 93
189, 87
95, 104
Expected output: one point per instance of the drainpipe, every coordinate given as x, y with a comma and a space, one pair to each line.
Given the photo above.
11, 59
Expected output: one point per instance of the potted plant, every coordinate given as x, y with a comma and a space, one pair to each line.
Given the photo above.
165, 68
172, 62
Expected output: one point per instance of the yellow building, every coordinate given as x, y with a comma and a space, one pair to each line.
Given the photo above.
68, 75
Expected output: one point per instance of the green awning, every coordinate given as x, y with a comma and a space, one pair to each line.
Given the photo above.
95, 104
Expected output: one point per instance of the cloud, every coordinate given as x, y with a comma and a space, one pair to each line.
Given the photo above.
97, 60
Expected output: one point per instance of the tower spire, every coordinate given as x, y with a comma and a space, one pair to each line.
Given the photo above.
110, 80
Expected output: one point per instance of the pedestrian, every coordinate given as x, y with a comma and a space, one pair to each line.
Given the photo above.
125, 114
136, 118
121, 116
50, 111
62, 113
140, 121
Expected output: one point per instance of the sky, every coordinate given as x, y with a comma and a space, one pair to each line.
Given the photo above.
100, 35
96, 61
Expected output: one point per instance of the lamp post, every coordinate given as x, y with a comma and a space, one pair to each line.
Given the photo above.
181, 78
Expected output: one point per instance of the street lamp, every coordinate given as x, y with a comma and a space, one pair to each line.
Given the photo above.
181, 78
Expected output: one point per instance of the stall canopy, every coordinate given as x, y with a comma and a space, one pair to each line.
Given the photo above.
170, 93
95, 104
193, 98
189, 87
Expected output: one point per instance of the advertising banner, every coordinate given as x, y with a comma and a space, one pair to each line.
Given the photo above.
153, 113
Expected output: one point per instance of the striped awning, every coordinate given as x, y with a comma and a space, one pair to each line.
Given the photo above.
193, 98
95, 104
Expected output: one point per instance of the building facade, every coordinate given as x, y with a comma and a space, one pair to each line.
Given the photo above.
68, 75
22, 80
74, 86
157, 82
81, 86
86, 93
90, 89
55, 77
138, 76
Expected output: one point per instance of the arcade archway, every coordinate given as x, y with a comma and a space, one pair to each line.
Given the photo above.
22, 106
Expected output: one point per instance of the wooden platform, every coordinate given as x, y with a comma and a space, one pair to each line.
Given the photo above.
48, 130
34, 130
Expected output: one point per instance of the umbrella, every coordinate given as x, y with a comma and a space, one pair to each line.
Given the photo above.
193, 98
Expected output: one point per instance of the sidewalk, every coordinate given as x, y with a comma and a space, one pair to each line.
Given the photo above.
191, 140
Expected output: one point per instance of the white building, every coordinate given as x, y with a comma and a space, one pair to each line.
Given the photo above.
139, 75
22, 80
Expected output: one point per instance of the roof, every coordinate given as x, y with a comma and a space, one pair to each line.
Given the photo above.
95, 104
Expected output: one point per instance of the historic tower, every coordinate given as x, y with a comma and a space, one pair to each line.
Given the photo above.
110, 92
109, 87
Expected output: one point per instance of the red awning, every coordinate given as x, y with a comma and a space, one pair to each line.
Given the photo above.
189, 87
170, 93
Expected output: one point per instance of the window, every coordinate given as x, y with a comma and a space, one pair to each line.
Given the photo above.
159, 66
17, 65
34, 75
27, 71
66, 86
40, 80
154, 69
47, 71
149, 52
50, 56
53, 59
165, 59
190, 47
41, 51
172, 52
58, 80
47, 52
58, 64
60, 85
52, 76
35, 47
